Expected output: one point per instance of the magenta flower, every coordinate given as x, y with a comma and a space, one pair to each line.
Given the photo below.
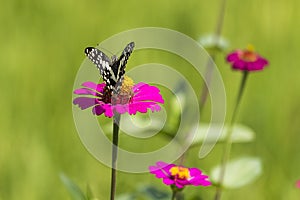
298, 184
132, 98
179, 176
246, 60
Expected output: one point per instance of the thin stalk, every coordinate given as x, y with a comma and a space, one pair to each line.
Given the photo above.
174, 195
209, 65
209, 68
116, 122
228, 142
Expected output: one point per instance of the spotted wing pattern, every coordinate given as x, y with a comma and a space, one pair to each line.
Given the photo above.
112, 71
120, 64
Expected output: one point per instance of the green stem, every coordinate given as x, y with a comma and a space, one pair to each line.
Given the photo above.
116, 122
209, 65
174, 195
228, 141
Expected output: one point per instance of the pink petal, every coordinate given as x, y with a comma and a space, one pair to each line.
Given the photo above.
158, 173
155, 108
98, 110
85, 102
85, 91
298, 184
108, 110
161, 169
142, 107
94, 86
198, 178
162, 165
182, 182
121, 108
179, 185
168, 181
239, 64
233, 56
145, 92
91, 89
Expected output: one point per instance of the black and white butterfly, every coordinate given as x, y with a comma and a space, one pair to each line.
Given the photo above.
112, 70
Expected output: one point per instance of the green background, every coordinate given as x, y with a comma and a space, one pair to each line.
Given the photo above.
41, 49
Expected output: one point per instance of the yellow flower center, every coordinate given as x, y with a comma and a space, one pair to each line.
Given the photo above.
249, 55
125, 93
180, 172
127, 85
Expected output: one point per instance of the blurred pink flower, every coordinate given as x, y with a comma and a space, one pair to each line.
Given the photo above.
298, 184
179, 176
132, 99
246, 60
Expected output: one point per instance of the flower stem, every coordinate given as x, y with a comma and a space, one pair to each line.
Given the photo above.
174, 195
116, 122
228, 141
209, 65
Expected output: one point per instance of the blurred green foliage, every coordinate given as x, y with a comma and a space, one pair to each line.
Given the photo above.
41, 49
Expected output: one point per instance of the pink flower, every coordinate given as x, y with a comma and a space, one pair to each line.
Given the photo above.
246, 60
132, 98
179, 176
298, 184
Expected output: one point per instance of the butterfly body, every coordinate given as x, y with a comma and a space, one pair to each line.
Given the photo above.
111, 70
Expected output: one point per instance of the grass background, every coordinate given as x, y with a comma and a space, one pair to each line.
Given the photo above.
41, 49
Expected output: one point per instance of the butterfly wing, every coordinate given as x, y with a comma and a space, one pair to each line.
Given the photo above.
112, 72
103, 64
119, 66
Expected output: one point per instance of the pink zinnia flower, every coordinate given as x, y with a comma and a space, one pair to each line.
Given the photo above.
298, 184
179, 176
132, 98
246, 60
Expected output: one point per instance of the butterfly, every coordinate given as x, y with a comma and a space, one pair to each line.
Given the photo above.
111, 70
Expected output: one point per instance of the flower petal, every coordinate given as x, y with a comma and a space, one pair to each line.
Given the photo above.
198, 178
98, 110
239, 64
142, 107
121, 108
85, 91
108, 110
145, 92
90, 89
168, 181
94, 86
85, 102
161, 169
232, 57
246, 60
145, 97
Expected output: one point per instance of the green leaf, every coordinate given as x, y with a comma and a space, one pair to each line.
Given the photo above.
239, 172
73, 189
212, 42
210, 133
153, 193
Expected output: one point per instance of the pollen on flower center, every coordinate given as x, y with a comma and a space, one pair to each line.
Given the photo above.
127, 85
248, 55
125, 94
180, 172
